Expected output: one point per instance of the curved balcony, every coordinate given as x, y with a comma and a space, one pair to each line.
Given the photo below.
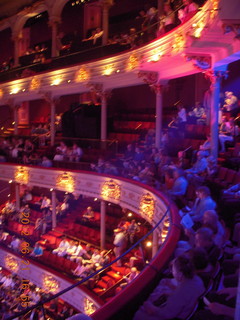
128, 194
195, 46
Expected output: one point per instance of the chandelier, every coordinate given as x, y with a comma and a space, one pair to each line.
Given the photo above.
22, 175
147, 205
66, 182
111, 189
50, 284
11, 263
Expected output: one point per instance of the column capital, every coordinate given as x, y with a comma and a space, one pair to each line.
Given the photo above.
16, 37
98, 89
159, 86
54, 20
149, 77
152, 79
49, 97
215, 75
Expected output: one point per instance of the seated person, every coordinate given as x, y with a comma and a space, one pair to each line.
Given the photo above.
205, 148
127, 279
37, 250
227, 131
173, 298
211, 221
180, 184
76, 153
96, 257
202, 203
190, 8
83, 269
198, 114
15, 243
62, 248
221, 305
88, 214
104, 259
230, 103
199, 166
79, 253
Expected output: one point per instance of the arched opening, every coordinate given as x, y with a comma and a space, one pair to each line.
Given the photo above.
6, 55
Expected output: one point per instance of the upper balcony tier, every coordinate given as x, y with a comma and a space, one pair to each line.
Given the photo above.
198, 45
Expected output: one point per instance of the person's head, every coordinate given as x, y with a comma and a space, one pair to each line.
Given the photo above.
224, 119
182, 268
210, 219
89, 209
203, 192
177, 173
203, 238
134, 270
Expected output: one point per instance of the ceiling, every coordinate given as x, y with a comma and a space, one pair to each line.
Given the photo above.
10, 7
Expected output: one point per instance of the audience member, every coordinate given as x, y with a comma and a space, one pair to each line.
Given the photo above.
173, 298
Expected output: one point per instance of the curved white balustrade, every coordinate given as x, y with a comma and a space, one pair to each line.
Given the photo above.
42, 278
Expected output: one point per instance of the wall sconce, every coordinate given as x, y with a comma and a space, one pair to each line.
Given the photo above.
155, 57
132, 62
89, 307
179, 42
111, 189
21, 175
147, 205
108, 70
1, 93
56, 81
11, 263
198, 27
66, 182
15, 90
35, 83
82, 75
50, 284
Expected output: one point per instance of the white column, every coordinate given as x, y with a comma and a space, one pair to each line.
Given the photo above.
103, 224
52, 126
155, 243
103, 116
159, 107
15, 116
54, 218
54, 21
106, 4
17, 196
16, 40
54, 39
216, 81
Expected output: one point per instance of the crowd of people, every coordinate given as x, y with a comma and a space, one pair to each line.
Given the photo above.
12, 294
149, 24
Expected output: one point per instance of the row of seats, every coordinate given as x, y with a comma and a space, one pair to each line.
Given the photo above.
225, 178
196, 131
123, 137
134, 125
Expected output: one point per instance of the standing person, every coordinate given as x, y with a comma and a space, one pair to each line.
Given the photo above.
133, 228
120, 243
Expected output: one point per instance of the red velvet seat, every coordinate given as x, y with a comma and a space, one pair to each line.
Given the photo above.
228, 179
